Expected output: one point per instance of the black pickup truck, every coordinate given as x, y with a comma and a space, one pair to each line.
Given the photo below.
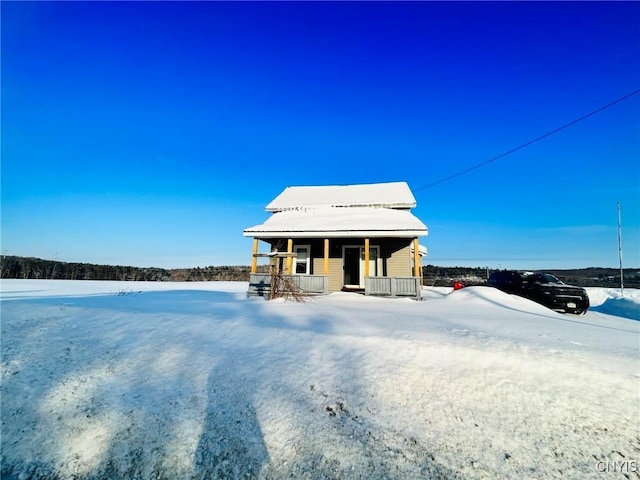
543, 288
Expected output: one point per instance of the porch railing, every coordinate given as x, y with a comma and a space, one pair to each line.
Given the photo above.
393, 286
260, 284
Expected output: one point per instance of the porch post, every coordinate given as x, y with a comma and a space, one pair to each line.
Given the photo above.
254, 259
326, 257
366, 257
289, 259
416, 260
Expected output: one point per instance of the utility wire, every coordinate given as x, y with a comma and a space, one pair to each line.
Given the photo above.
520, 147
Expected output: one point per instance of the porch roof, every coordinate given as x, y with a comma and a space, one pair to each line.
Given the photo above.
334, 222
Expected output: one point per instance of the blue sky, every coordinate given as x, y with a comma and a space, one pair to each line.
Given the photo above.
153, 133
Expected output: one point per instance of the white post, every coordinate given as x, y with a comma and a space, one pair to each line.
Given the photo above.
620, 252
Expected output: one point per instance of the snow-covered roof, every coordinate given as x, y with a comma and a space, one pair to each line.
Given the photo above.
388, 195
332, 222
422, 250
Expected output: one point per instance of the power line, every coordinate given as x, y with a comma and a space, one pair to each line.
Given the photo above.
520, 147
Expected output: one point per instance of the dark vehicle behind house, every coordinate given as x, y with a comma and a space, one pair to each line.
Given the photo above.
543, 288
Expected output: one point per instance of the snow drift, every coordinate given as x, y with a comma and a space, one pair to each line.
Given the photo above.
611, 301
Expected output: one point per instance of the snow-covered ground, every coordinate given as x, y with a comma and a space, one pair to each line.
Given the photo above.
194, 380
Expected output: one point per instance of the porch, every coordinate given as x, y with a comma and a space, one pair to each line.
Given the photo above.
407, 287
380, 266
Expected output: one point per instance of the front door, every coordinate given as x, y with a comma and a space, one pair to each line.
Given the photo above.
351, 266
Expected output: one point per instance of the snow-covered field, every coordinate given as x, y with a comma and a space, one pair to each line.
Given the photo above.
194, 380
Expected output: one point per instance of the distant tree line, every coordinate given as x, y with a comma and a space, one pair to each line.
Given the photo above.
206, 274
599, 277
582, 277
37, 268
435, 276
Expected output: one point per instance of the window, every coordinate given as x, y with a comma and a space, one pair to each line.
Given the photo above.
302, 260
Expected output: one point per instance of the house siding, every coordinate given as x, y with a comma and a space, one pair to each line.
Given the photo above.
399, 257
335, 274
